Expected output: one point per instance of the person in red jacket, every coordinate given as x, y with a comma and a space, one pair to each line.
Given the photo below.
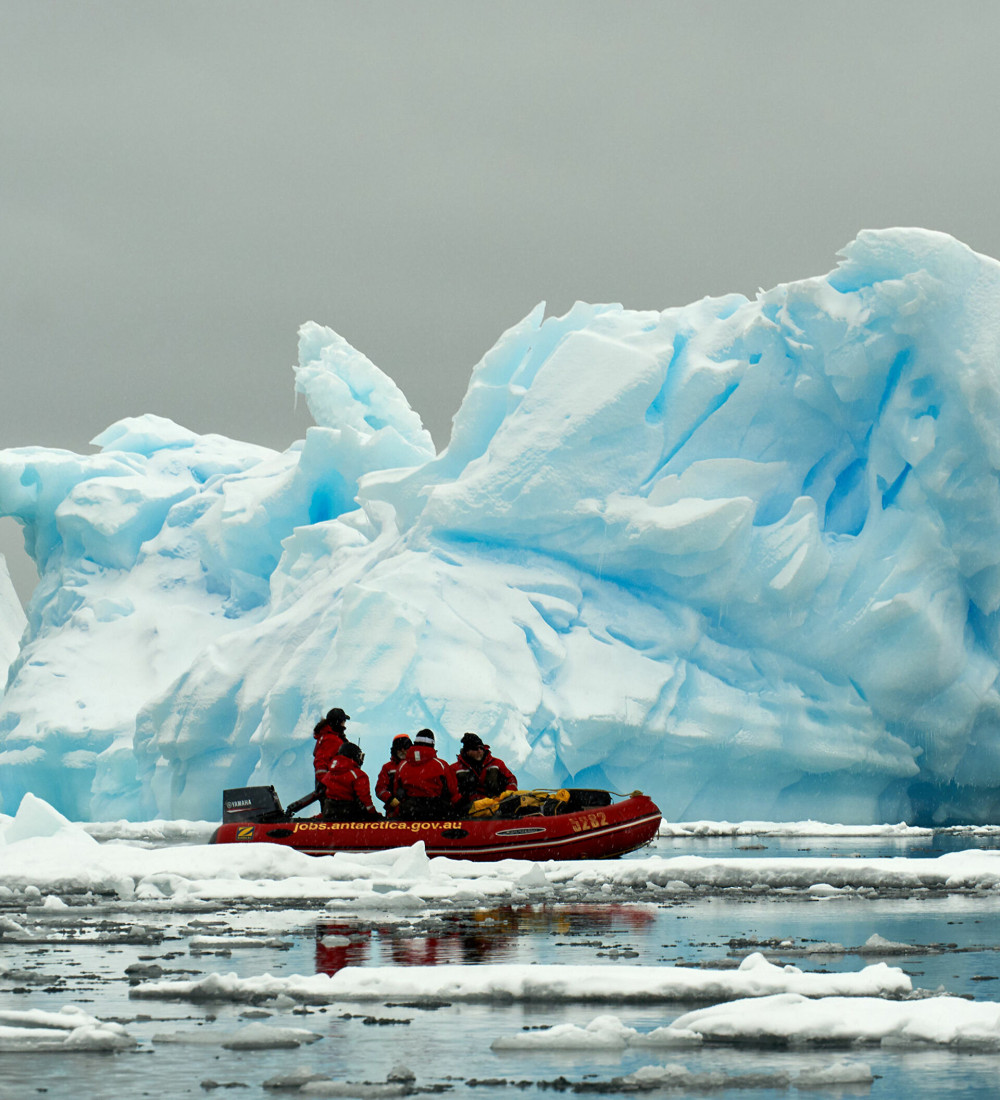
385, 785
347, 794
330, 733
480, 774
425, 785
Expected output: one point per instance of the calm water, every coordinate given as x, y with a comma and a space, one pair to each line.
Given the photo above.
447, 1045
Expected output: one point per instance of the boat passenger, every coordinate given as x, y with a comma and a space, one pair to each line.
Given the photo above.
480, 774
330, 733
425, 785
385, 785
346, 790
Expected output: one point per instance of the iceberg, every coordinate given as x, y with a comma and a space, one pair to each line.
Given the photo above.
742, 554
12, 621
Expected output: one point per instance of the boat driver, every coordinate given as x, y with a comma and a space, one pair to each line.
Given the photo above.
480, 774
330, 733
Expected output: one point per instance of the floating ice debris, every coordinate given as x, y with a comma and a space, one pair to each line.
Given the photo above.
789, 1018
306, 1082
252, 1037
602, 1033
797, 829
11, 927
404, 880
755, 977
879, 945
215, 943
533, 879
676, 1077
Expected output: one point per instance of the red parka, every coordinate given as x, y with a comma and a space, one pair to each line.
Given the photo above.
328, 744
483, 780
385, 785
346, 782
423, 774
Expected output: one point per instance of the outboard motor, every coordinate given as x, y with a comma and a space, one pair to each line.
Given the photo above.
257, 804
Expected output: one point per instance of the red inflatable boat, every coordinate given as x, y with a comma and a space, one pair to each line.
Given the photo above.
587, 825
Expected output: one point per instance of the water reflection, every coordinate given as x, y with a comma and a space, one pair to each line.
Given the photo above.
486, 935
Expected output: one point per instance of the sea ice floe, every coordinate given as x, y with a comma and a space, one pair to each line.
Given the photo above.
794, 1019
69, 1030
755, 977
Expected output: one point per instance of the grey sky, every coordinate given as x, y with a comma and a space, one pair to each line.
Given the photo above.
182, 184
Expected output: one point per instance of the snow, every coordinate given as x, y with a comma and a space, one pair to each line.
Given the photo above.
739, 553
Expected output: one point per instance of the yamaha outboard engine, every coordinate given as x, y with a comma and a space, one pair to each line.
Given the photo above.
258, 804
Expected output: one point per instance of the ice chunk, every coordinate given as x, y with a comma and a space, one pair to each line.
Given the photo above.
68, 1031
36, 818
256, 1036
879, 945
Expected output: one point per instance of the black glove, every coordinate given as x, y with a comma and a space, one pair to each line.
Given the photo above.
301, 803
